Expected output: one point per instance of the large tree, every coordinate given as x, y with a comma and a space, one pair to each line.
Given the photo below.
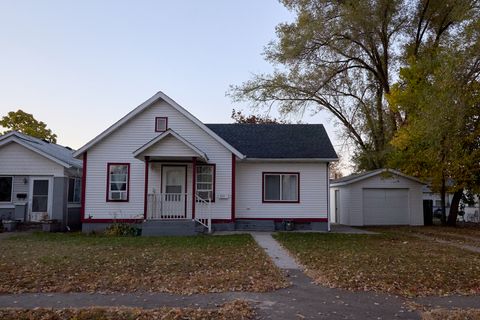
27, 124
344, 57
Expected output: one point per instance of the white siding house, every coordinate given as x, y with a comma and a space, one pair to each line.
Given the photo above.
162, 168
39, 181
380, 197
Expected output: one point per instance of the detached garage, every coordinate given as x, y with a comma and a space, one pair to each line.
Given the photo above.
380, 197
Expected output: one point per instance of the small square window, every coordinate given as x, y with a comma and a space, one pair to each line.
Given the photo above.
161, 124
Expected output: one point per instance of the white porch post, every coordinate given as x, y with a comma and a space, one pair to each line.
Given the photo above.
194, 185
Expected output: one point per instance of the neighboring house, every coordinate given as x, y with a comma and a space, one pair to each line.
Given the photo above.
436, 200
379, 197
38, 181
162, 168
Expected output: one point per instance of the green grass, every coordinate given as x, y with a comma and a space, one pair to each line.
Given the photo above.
77, 262
388, 262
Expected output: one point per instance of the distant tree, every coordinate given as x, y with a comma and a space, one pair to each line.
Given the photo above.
239, 117
25, 123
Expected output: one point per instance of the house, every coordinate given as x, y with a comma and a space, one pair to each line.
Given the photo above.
379, 197
163, 169
38, 181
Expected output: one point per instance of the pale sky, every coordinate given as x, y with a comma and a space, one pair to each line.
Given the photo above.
80, 66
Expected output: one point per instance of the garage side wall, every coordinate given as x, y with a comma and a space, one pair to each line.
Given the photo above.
355, 197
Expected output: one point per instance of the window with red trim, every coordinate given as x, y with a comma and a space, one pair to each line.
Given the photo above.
161, 124
118, 181
281, 187
205, 181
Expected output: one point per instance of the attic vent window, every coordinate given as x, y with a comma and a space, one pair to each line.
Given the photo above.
161, 124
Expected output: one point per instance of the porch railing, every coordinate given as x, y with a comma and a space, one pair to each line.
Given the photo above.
203, 212
167, 206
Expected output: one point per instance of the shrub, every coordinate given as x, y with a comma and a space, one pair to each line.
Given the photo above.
122, 230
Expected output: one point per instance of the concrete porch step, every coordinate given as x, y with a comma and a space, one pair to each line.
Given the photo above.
169, 228
255, 225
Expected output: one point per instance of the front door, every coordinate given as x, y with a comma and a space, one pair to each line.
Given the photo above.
40, 204
174, 192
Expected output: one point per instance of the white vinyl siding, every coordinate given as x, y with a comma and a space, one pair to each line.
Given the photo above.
119, 147
313, 191
170, 147
18, 160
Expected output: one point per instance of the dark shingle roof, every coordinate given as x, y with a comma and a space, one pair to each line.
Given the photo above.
277, 141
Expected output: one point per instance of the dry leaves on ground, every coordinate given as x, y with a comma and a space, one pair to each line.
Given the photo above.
235, 310
455, 314
184, 265
392, 263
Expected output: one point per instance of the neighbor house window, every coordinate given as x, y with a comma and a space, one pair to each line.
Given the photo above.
6, 186
206, 182
118, 181
281, 187
161, 124
74, 189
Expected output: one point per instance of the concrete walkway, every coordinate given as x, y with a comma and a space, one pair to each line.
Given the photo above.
280, 257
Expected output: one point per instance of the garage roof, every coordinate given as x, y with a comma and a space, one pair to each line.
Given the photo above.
365, 175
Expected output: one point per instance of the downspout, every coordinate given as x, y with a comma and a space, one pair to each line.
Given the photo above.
328, 196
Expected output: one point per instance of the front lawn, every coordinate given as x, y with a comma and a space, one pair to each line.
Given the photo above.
469, 235
387, 262
443, 314
81, 263
236, 310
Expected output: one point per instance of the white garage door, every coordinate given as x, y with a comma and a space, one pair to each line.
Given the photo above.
385, 206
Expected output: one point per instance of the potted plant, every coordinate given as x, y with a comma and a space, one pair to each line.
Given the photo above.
50, 225
9, 225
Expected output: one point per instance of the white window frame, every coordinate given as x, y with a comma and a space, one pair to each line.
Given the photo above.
212, 183
109, 183
11, 190
281, 175
75, 190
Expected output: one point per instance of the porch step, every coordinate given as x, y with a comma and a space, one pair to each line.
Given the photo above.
255, 225
168, 228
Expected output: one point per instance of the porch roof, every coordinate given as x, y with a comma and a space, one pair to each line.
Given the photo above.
173, 146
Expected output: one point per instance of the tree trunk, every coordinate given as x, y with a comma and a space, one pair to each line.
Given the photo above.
442, 201
452, 217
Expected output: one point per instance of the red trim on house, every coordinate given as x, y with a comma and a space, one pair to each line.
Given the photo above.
145, 199
92, 220
194, 185
84, 186
289, 219
214, 178
166, 124
186, 182
234, 165
107, 198
280, 201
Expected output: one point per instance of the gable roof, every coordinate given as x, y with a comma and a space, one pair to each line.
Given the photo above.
365, 175
159, 95
165, 134
57, 153
278, 141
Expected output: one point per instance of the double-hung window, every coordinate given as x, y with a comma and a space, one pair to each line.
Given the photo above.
205, 186
6, 188
74, 190
281, 187
118, 181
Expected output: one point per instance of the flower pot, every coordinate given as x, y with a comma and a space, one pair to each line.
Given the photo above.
51, 226
9, 225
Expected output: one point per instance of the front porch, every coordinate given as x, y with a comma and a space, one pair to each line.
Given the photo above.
179, 184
